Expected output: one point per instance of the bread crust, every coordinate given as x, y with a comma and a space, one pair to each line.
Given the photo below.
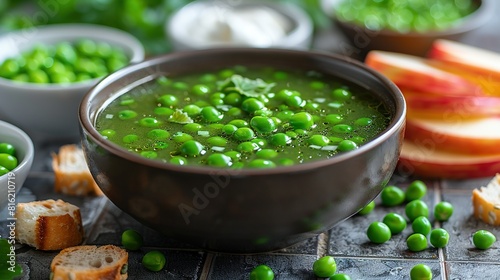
63, 267
78, 181
51, 230
485, 207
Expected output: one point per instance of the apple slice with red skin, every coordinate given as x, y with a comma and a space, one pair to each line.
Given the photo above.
422, 104
425, 160
418, 74
468, 136
478, 61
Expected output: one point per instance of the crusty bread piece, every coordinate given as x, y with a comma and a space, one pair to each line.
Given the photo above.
49, 224
72, 175
486, 202
88, 262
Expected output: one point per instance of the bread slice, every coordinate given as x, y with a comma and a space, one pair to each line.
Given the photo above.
486, 202
49, 224
90, 262
72, 175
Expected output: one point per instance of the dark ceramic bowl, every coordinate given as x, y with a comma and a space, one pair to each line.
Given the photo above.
246, 210
362, 40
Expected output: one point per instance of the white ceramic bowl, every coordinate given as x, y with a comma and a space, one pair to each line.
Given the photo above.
51, 110
11, 183
209, 24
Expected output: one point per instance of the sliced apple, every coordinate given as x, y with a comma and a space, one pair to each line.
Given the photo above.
469, 136
445, 107
418, 74
424, 160
468, 58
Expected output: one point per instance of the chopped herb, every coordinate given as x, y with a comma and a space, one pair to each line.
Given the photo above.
245, 86
181, 117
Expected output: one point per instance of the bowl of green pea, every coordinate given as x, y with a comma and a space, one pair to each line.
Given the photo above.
16, 157
46, 70
242, 149
404, 26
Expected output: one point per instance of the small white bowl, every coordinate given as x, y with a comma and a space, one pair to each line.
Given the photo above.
211, 24
51, 110
11, 183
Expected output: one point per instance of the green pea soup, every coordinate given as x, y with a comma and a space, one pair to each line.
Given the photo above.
241, 117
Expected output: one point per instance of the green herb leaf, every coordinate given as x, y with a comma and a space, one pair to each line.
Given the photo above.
245, 86
181, 117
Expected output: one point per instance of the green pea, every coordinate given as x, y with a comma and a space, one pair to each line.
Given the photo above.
130, 138
163, 111
66, 53
247, 147
341, 94
318, 140
226, 73
127, 114
363, 122
239, 123
439, 238
420, 272
421, 225
168, 100
234, 155
334, 118
180, 85
178, 160
266, 153
285, 115
149, 154
181, 137
284, 94
280, 139
86, 47
244, 134
251, 105
395, 222
233, 99
160, 145
301, 120
200, 90
207, 78
416, 190
192, 127
261, 163
21, 78
192, 148
8, 161
317, 85
367, 209
216, 101
325, 267
219, 160
38, 76
262, 272
416, 242
280, 75
210, 114
358, 140
132, 240
217, 141
263, 112
295, 101
9, 68
336, 140
415, 209
158, 134
7, 148
443, 211
3, 170
154, 260
149, 122
392, 196
192, 110
342, 128
229, 129
340, 276
286, 162
127, 102
235, 112
164, 81
483, 239
108, 133
378, 232
346, 145
262, 124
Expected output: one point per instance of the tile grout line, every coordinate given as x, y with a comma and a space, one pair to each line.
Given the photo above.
442, 262
207, 265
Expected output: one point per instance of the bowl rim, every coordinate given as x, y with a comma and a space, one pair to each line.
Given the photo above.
474, 20
71, 31
301, 33
87, 125
29, 153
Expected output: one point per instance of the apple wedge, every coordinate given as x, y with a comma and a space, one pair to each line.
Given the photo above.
480, 62
418, 74
426, 161
444, 107
468, 136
